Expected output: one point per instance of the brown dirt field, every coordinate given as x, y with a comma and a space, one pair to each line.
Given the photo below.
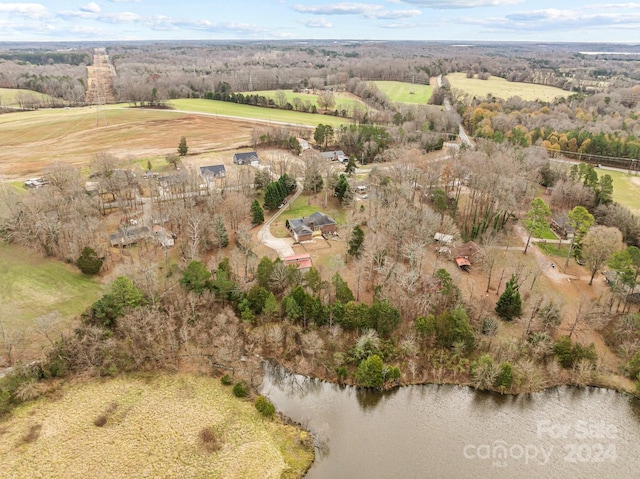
39, 139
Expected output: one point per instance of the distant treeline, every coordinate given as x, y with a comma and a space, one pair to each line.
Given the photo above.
49, 58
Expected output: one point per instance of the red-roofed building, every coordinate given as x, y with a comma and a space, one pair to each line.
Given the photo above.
302, 261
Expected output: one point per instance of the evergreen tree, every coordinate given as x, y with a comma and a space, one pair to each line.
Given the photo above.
89, 262
257, 214
370, 372
343, 189
356, 243
343, 293
182, 147
264, 270
272, 196
509, 305
220, 232
350, 168
196, 277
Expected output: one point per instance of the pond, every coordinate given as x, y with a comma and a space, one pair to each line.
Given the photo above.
456, 432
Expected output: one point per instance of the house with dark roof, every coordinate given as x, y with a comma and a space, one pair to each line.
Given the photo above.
302, 229
126, 236
249, 158
210, 173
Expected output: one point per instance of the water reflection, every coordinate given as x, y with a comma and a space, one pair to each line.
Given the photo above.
448, 431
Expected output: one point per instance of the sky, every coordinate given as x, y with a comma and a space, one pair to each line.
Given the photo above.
449, 20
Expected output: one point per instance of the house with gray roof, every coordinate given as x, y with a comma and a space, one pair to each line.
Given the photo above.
249, 158
126, 236
213, 172
302, 229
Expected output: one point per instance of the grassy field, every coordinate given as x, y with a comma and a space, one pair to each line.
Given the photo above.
150, 428
626, 189
343, 101
400, 92
501, 88
215, 107
32, 286
11, 96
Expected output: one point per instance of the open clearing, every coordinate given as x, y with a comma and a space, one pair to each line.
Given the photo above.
34, 140
13, 96
151, 427
32, 287
501, 88
400, 92
343, 101
216, 107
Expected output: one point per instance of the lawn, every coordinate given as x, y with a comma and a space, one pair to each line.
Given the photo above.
216, 107
542, 230
552, 249
135, 426
626, 189
501, 88
401, 92
343, 102
32, 286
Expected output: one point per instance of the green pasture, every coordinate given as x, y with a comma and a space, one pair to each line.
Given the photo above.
32, 286
401, 92
11, 96
343, 102
501, 88
215, 107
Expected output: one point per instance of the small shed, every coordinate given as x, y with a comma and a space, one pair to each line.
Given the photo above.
463, 263
443, 238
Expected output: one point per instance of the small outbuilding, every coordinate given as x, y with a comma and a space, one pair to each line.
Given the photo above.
443, 238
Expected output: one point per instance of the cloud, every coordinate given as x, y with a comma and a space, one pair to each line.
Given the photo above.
552, 19
455, 4
92, 7
364, 9
338, 9
316, 23
394, 14
124, 1
27, 10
